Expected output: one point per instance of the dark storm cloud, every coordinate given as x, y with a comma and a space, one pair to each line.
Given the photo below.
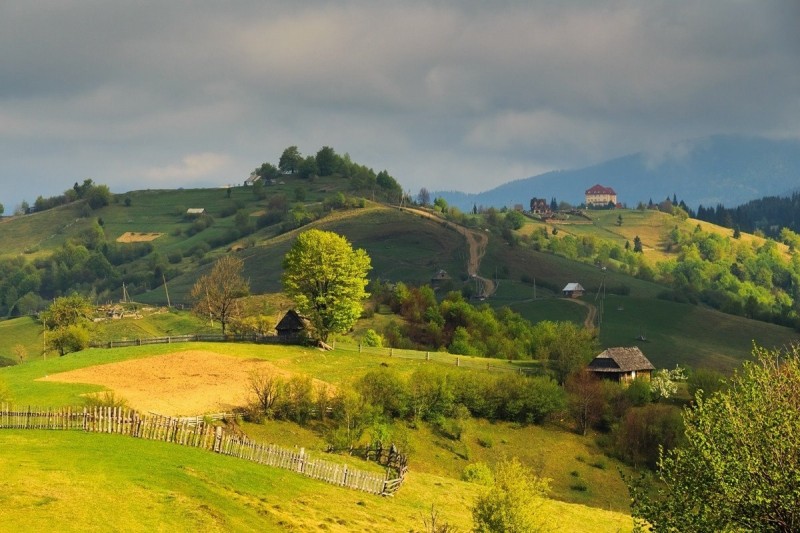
462, 95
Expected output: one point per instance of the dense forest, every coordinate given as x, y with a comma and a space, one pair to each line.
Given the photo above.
767, 215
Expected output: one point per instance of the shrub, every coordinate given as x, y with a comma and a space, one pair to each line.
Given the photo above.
106, 399
478, 473
579, 485
371, 338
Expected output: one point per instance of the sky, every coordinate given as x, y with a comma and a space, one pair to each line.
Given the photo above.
448, 95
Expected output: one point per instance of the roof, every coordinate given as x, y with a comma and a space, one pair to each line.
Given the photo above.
195, 211
573, 287
621, 359
599, 189
291, 321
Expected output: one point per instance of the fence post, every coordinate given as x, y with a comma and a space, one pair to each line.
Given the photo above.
458, 361
427, 356
391, 352
359, 347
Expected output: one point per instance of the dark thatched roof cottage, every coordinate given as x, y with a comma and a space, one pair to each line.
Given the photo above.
622, 365
292, 326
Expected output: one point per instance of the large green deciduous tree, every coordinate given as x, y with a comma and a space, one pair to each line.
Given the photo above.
216, 295
290, 160
66, 311
739, 469
327, 280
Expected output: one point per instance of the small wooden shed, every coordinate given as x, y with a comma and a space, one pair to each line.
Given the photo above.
573, 290
292, 325
622, 364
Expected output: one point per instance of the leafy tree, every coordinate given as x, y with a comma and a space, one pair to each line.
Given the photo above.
216, 295
327, 280
619, 219
327, 161
66, 311
267, 171
513, 503
2, 209
440, 204
514, 219
98, 196
73, 338
739, 469
307, 167
290, 160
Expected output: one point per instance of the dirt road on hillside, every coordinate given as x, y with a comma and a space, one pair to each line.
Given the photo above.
477, 241
590, 316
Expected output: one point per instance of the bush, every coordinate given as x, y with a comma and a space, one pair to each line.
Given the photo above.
372, 339
644, 430
106, 399
579, 485
478, 473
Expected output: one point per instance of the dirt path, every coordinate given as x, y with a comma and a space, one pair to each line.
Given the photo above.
591, 314
477, 242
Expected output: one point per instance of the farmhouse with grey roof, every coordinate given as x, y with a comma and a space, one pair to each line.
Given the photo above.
622, 364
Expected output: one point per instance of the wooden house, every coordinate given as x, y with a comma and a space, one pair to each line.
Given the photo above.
539, 206
439, 278
622, 364
573, 290
292, 326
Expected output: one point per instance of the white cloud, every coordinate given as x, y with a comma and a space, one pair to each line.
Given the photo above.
192, 167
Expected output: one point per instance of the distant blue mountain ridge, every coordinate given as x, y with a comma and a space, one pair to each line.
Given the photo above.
725, 169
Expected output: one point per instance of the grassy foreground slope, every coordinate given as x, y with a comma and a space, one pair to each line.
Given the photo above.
74, 482
284, 501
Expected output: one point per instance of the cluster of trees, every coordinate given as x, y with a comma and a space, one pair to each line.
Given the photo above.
741, 278
767, 215
88, 264
96, 196
326, 162
459, 327
443, 398
738, 468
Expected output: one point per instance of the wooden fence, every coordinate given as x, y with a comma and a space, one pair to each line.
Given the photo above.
259, 339
465, 361
198, 433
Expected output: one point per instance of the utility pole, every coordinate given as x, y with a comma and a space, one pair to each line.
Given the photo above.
169, 305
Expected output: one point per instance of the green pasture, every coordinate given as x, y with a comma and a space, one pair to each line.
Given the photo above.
75, 481
685, 334
436, 463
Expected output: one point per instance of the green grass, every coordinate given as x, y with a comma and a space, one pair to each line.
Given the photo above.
198, 489
25, 331
687, 335
172, 488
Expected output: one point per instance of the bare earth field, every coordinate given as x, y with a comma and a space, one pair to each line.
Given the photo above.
132, 236
184, 383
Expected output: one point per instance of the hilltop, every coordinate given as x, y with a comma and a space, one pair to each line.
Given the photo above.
720, 169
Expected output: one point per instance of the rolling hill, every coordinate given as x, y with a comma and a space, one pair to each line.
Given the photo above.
719, 169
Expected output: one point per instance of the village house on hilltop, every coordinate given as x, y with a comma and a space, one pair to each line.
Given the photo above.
599, 196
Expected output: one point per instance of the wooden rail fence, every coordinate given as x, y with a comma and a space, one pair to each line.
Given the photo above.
259, 339
198, 433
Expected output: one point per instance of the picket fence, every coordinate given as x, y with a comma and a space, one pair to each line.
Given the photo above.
206, 435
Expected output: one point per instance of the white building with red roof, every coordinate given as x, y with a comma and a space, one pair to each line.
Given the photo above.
599, 196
